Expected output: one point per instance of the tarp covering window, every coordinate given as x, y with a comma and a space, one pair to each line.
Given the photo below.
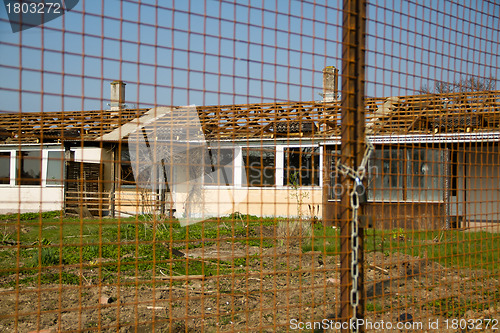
219, 167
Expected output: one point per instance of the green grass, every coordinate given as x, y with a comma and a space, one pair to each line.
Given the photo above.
34, 243
324, 239
374, 307
31, 216
454, 307
125, 245
451, 248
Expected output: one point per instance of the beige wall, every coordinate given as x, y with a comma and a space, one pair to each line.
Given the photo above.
223, 201
107, 156
483, 185
262, 202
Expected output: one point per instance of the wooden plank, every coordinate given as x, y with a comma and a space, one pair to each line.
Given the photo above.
253, 120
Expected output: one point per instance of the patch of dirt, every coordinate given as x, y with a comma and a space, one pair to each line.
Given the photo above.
223, 251
265, 292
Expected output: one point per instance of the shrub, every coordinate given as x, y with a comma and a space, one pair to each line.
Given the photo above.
292, 231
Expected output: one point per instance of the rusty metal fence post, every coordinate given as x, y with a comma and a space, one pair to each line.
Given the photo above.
352, 151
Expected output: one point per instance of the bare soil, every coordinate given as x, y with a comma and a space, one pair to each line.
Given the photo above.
271, 288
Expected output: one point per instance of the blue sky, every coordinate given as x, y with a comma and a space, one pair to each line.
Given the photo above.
225, 52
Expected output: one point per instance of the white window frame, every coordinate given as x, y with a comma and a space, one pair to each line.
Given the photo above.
241, 171
12, 168
236, 178
44, 169
320, 167
238, 167
45, 166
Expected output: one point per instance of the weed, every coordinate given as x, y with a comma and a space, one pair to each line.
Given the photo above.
225, 320
297, 193
48, 256
240, 216
32, 216
127, 244
479, 250
374, 307
239, 261
291, 231
452, 307
48, 278
399, 235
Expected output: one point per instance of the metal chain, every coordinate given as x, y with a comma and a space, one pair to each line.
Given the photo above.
358, 176
354, 294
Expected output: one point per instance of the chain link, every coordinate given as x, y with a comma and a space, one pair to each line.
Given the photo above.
354, 293
358, 176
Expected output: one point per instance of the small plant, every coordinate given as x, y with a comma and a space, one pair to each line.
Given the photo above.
292, 231
48, 256
31, 216
237, 216
399, 235
297, 193
452, 307
313, 213
6, 236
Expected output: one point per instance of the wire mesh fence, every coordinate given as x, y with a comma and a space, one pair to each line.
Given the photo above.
272, 166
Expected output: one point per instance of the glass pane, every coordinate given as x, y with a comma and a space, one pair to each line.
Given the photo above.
259, 166
386, 175
424, 168
335, 191
126, 170
219, 167
4, 167
302, 166
55, 165
29, 167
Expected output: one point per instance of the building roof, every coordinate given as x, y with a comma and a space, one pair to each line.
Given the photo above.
402, 115
29, 127
436, 113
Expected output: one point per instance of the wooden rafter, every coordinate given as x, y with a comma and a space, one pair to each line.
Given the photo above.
458, 112
53, 126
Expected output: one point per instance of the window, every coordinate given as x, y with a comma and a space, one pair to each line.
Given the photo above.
386, 174
259, 166
147, 174
424, 168
29, 167
219, 167
126, 170
335, 189
4, 167
301, 166
396, 174
55, 165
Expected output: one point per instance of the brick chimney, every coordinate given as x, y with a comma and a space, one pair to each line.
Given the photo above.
330, 83
117, 95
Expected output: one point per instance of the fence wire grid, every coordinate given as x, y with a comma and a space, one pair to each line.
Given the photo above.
262, 166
